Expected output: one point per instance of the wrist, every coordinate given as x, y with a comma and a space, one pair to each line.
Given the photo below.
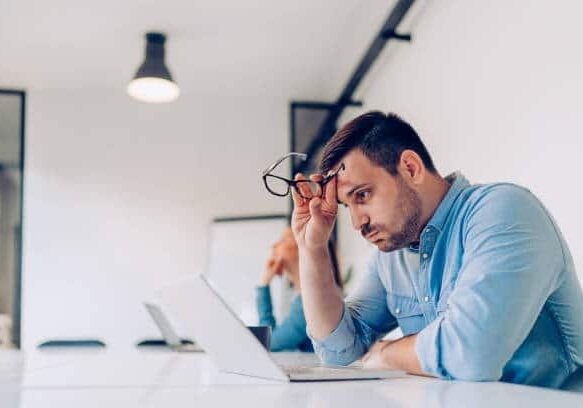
266, 279
313, 249
264, 282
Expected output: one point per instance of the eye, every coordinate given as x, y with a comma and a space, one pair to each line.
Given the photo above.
362, 195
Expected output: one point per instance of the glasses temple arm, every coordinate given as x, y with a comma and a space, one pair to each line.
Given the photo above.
302, 156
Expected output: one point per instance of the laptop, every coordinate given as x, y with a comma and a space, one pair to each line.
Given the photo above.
234, 349
167, 331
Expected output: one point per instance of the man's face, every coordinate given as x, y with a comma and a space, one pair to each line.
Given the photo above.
383, 207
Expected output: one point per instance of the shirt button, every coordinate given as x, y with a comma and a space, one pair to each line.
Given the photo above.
397, 311
425, 256
426, 298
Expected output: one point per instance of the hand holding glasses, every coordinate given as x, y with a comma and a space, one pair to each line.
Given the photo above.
281, 186
315, 206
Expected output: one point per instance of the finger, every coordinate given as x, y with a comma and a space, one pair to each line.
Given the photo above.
297, 198
278, 266
279, 270
316, 210
331, 192
303, 188
317, 178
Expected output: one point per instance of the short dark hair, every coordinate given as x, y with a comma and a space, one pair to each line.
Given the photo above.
382, 138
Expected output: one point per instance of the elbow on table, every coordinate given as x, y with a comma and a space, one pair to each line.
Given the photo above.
476, 370
335, 358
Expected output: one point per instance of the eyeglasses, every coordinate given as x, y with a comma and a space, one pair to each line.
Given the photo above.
281, 186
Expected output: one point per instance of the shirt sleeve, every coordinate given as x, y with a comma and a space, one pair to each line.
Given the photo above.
264, 307
365, 319
291, 333
511, 264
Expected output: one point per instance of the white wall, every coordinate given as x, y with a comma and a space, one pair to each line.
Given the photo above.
495, 89
119, 195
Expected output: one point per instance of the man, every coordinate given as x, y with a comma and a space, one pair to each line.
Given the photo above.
478, 277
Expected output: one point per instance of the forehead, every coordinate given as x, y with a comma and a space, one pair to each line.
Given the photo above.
358, 169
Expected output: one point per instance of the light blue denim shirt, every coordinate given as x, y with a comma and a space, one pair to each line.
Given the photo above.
491, 292
290, 334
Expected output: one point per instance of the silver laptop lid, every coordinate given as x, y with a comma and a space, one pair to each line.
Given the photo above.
218, 330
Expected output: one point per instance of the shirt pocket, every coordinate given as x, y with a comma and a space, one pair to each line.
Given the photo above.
408, 313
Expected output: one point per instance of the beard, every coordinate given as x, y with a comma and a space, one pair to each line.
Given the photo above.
409, 210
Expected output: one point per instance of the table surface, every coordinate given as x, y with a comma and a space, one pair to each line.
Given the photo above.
161, 378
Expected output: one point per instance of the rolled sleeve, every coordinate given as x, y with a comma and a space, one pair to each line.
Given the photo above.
427, 348
338, 348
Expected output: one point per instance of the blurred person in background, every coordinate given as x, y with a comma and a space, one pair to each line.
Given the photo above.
290, 334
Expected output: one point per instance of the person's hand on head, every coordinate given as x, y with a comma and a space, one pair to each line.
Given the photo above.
314, 213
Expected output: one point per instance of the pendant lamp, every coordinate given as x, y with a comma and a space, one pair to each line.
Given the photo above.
153, 82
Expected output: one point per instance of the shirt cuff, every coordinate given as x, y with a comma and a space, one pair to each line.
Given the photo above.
264, 300
428, 349
263, 290
341, 338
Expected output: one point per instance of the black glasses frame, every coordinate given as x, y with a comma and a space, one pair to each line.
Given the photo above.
296, 183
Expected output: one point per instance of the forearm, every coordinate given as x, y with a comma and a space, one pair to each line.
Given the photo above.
322, 299
401, 355
264, 308
394, 355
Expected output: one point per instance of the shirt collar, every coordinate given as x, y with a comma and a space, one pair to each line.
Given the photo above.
458, 184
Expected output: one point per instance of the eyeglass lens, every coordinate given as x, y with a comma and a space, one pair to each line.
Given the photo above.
277, 185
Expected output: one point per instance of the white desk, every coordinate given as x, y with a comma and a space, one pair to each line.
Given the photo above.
165, 379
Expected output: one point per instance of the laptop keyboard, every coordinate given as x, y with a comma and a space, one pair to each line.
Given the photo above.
303, 363
315, 369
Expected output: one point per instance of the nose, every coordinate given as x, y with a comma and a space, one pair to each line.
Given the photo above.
358, 219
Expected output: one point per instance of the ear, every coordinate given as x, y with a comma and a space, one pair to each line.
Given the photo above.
411, 167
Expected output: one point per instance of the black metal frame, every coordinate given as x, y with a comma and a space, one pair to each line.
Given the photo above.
252, 218
17, 306
295, 105
387, 32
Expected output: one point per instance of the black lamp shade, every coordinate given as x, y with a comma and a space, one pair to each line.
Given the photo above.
154, 65
153, 81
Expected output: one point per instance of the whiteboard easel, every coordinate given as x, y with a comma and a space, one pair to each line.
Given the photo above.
238, 251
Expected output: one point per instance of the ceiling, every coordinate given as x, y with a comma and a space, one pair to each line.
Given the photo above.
295, 49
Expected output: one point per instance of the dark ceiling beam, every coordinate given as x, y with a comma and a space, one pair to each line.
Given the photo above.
386, 33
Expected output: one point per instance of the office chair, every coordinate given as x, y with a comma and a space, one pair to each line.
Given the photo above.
159, 342
72, 343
